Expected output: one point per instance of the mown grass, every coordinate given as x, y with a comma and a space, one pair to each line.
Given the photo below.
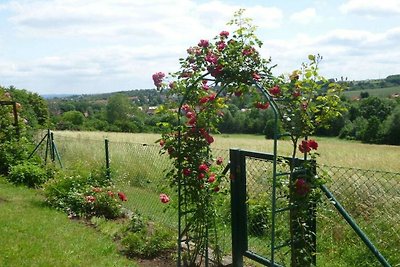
32, 234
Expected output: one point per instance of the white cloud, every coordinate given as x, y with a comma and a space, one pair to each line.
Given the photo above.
371, 7
305, 16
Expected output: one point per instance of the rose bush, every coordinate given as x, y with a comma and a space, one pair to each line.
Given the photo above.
230, 65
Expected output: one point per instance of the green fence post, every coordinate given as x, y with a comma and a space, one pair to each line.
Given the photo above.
108, 172
238, 206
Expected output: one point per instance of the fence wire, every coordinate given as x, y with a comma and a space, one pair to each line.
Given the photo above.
371, 197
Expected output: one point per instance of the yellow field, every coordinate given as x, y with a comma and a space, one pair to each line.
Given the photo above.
332, 151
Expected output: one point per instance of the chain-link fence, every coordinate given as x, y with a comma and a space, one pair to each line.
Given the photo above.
371, 197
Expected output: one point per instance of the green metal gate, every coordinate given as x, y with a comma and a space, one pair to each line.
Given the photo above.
260, 205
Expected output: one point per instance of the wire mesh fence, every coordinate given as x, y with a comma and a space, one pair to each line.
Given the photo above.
371, 197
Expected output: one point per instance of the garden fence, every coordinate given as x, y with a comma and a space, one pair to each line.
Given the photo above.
371, 197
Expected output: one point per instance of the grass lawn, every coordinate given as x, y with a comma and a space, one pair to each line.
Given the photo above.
32, 234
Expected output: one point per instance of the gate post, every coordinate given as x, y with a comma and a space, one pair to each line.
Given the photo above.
238, 206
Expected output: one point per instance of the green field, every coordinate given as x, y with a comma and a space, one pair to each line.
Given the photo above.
381, 92
333, 151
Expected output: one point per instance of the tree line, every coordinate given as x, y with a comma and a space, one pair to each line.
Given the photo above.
370, 119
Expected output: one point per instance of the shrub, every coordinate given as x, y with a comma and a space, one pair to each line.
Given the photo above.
145, 239
13, 153
29, 174
84, 195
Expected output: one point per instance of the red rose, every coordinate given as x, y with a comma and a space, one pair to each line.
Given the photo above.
275, 90
313, 144
219, 160
304, 147
302, 187
211, 179
203, 167
204, 100
201, 175
256, 76
122, 196
187, 171
164, 198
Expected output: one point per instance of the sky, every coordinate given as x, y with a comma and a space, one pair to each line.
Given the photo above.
97, 46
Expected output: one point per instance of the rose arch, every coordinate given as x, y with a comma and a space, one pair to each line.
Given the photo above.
212, 73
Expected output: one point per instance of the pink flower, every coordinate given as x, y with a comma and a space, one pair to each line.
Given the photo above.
248, 51
256, 76
219, 160
158, 78
204, 100
221, 45
301, 187
211, 97
203, 43
205, 87
216, 71
192, 121
187, 171
211, 179
275, 90
201, 175
211, 58
224, 34
122, 196
164, 198
190, 115
186, 107
203, 167
90, 199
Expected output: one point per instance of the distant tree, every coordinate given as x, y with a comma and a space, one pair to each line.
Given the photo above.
391, 128
118, 108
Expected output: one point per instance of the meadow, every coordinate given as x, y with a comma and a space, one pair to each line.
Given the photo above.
333, 151
381, 92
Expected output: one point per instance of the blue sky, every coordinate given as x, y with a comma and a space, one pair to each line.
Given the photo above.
95, 46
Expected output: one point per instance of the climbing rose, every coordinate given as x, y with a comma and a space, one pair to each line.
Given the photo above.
203, 167
313, 144
275, 90
304, 147
219, 160
164, 198
224, 34
204, 100
211, 179
221, 45
122, 196
157, 79
110, 193
261, 105
203, 43
187, 171
201, 175
216, 189
96, 189
256, 77
301, 187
